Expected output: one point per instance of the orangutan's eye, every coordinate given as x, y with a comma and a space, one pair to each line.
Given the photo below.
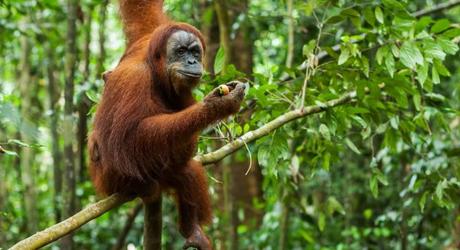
181, 51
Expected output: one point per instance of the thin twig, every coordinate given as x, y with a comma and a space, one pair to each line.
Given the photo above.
437, 8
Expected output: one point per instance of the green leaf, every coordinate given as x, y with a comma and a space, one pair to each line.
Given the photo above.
423, 35
92, 95
350, 12
395, 50
390, 64
324, 130
321, 221
382, 52
327, 161
394, 122
410, 55
434, 50
417, 101
344, 55
422, 201
374, 186
393, 4
381, 128
360, 121
366, 132
440, 26
440, 68
447, 45
422, 73
380, 177
333, 205
219, 60
208, 15
451, 33
440, 189
379, 15
352, 146
309, 48
18, 142
365, 66
369, 16
423, 23
435, 75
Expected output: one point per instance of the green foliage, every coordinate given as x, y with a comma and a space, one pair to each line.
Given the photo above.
377, 173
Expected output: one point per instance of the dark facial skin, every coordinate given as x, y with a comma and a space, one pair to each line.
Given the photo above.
184, 55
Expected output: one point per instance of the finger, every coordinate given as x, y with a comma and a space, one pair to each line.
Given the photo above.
232, 84
240, 88
215, 92
238, 93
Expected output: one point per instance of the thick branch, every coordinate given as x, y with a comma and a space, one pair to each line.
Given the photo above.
74, 222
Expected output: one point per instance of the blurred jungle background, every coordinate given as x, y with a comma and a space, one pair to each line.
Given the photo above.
381, 171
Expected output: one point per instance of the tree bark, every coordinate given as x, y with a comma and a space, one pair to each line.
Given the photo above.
290, 50
210, 32
84, 103
456, 229
284, 225
103, 17
67, 226
3, 191
224, 31
69, 155
26, 159
53, 95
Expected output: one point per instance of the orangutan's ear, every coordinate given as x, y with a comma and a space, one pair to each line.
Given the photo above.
106, 75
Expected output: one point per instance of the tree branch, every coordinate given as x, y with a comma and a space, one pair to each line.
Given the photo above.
437, 8
74, 222
271, 126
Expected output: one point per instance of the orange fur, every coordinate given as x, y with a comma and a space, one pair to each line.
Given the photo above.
145, 134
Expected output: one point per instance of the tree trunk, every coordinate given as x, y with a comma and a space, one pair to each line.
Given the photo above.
28, 172
243, 44
240, 53
103, 17
53, 95
84, 103
210, 30
224, 31
290, 51
3, 191
456, 229
284, 225
69, 156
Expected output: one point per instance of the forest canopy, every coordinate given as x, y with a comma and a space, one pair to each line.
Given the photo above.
348, 136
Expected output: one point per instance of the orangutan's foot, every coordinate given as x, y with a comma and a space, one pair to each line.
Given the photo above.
198, 240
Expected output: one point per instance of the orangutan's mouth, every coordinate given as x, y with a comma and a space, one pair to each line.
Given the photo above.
190, 74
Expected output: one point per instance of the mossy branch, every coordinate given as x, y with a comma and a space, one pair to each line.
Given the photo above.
74, 222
